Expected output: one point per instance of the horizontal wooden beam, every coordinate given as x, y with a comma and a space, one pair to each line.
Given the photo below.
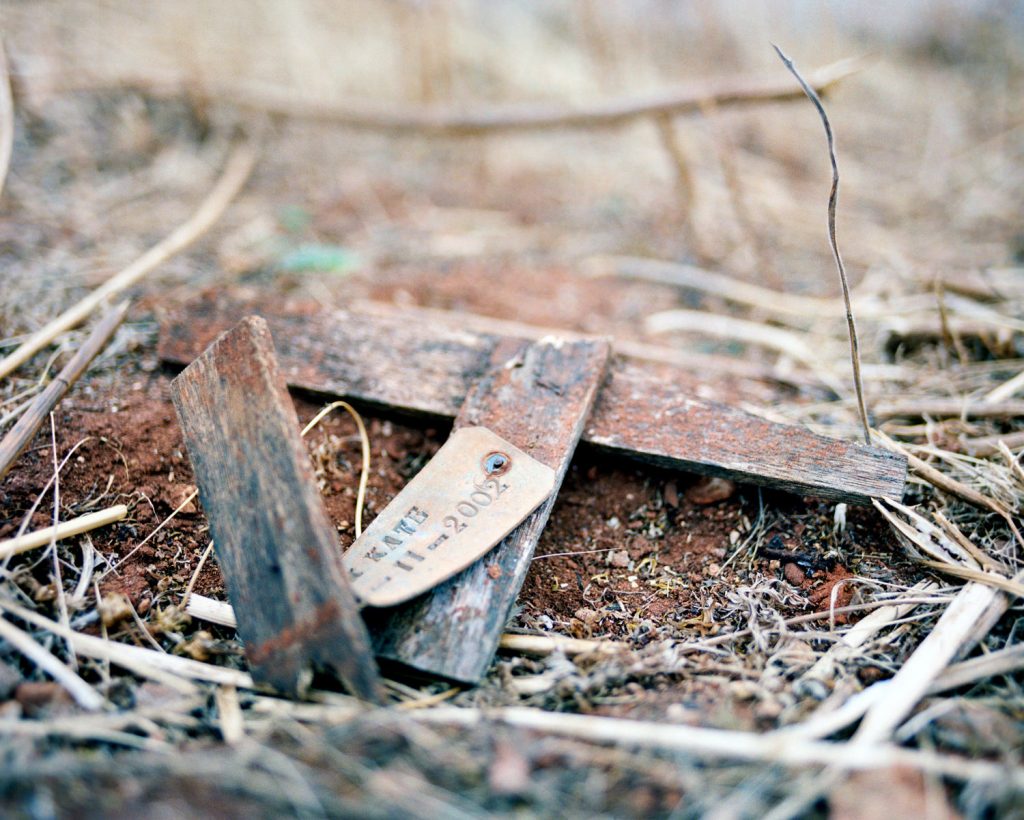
641, 412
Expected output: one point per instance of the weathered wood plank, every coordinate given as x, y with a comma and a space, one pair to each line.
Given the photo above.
641, 413
536, 396
274, 541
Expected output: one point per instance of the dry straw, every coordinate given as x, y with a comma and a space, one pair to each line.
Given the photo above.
833, 198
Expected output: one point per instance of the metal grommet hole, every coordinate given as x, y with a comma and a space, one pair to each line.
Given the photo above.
496, 463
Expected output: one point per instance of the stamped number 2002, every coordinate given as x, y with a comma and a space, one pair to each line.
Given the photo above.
483, 494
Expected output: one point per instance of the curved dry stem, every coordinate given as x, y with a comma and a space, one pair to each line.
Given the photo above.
6, 118
833, 198
364, 440
236, 172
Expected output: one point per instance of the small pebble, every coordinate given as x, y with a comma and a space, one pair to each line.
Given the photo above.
709, 490
794, 574
768, 709
114, 608
671, 494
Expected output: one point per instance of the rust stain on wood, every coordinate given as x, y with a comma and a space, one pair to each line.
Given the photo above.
641, 414
537, 396
304, 631
273, 538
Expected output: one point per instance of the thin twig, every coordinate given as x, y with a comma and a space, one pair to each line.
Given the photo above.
58, 580
171, 670
195, 577
833, 197
236, 172
83, 694
6, 118
22, 433
719, 743
991, 579
364, 440
68, 529
955, 627
439, 121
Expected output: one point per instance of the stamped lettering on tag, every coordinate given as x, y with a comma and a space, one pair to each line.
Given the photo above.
473, 493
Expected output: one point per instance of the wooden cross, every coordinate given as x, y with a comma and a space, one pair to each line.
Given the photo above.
540, 396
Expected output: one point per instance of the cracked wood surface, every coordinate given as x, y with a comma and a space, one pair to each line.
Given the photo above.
274, 541
428, 368
536, 396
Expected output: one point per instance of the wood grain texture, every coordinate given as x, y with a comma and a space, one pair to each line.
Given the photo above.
273, 538
536, 396
427, 368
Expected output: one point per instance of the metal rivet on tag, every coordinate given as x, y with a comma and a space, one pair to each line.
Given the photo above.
474, 491
496, 463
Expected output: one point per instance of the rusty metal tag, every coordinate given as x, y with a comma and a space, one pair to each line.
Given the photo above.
473, 493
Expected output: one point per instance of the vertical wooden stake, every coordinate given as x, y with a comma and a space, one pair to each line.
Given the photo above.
275, 543
536, 396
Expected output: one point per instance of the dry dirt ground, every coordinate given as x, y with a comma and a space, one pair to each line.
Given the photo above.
112, 151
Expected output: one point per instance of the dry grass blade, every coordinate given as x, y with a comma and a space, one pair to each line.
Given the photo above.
729, 327
364, 442
210, 609
943, 482
954, 408
689, 359
21, 434
984, 446
1007, 390
1011, 587
6, 118
221, 612
1000, 662
716, 284
983, 558
954, 629
33, 728
83, 694
68, 529
548, 644
171, 670
866, 628
229, 713
187, 597
832, 199
128, 555
922, 533
236, 172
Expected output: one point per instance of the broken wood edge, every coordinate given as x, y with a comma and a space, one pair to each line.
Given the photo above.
337, 615
559, 383
869, 472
